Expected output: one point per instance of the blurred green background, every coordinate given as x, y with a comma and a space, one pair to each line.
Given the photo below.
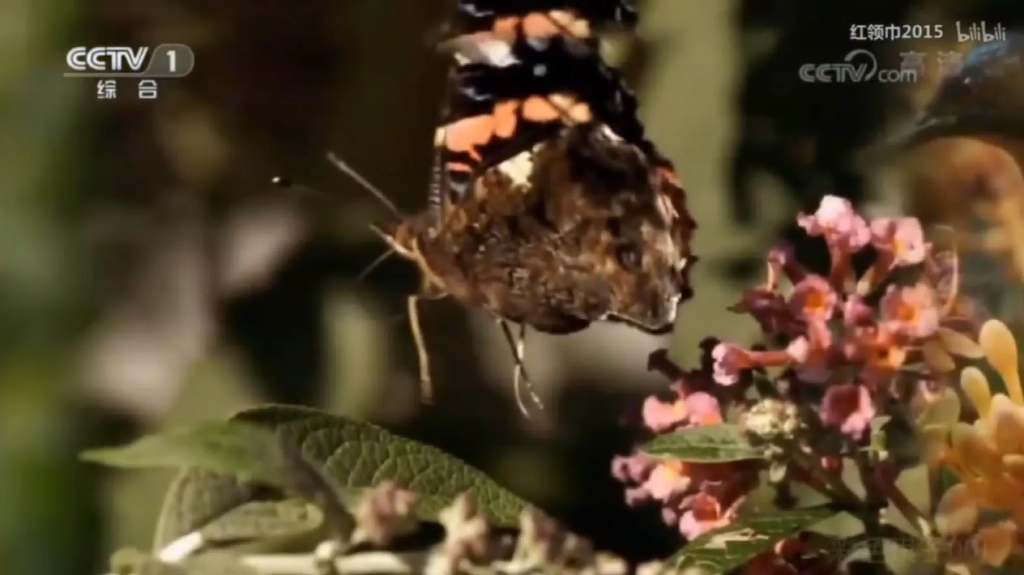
151, 275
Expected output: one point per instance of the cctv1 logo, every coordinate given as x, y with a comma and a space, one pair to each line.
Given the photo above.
166, 61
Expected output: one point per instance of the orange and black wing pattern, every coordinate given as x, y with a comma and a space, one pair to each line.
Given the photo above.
524, 72
539, 19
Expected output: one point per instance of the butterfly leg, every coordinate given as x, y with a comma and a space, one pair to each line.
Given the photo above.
422, 356
520, 379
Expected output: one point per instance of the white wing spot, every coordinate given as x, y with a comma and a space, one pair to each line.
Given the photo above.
610, 133
518, 168
492, 51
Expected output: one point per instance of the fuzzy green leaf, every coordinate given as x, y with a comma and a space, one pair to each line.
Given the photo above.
134, 562
245, 451
725, 549
353, 455
720, 443
264, 520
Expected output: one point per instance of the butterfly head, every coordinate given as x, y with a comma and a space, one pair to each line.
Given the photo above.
409, 240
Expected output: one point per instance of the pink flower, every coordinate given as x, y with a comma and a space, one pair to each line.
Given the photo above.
661, 416
911, 311
704, 409
689, 410
633, 468
637, 496
849, 407
634, 471
782, 263
813, 299
799, 349
838, 223
705, 514
901, 240
768, 309
668, 478
813, 361
384, 513
856, 312
730, 361
878, 350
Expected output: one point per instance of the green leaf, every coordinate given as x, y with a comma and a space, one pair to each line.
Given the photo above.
944, 410
878, 423
725, 549
353, 455
947, 480
134, 562
719, 443
245, 451
264, 520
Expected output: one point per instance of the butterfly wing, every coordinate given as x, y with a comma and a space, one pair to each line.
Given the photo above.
523, 71
507, 20
543, 166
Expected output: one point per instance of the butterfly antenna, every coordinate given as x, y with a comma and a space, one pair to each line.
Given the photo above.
288, 184
392, 250
375, 264
350, 172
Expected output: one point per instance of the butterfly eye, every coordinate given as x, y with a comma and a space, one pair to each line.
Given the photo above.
629, 257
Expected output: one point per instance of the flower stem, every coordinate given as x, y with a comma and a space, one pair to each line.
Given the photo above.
830, 484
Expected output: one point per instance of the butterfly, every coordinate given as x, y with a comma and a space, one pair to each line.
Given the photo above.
548, 206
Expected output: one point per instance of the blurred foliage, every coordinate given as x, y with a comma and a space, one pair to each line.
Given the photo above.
151, 274
47, 502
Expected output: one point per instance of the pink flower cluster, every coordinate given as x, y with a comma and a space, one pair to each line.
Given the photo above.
849, 335
695, 497
845, 340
